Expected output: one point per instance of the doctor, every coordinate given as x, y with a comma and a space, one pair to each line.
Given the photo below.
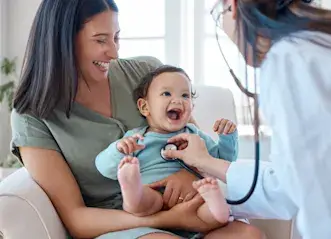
291, 42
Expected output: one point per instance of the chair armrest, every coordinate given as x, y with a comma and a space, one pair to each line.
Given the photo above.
26, 211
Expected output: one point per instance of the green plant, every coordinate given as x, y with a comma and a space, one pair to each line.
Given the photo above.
10, 162
8, 69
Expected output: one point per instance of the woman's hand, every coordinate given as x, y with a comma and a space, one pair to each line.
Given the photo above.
184, 216
195, 154
178, 188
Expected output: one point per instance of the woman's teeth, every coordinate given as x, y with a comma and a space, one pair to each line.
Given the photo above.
104, 65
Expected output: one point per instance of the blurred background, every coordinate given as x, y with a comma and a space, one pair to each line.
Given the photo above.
178, 32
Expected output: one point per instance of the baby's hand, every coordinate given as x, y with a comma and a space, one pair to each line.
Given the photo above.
224, 126
128, 145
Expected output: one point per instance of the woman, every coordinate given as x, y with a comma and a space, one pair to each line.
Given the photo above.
292, 42
74, 98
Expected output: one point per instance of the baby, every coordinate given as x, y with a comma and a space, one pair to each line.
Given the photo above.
165, 98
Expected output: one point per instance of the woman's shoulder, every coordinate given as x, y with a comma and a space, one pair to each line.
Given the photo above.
132, 70
139, 63
30, 131
19, 121
28, 125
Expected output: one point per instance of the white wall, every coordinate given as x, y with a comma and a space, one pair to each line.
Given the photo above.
326, 4
4, 121
15, 21
20, 17
17, 17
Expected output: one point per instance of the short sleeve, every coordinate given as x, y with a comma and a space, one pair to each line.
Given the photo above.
28, 131
149, 62
136, 68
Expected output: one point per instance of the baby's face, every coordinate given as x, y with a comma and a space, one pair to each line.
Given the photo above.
169, 102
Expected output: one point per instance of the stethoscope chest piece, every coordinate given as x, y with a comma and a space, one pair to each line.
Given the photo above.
174, 147
168, 147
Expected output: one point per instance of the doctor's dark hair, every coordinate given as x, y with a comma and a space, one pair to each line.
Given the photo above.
141, 90
49, 72
274, 19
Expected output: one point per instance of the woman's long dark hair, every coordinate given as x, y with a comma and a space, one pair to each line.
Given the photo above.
274, 19
49, 71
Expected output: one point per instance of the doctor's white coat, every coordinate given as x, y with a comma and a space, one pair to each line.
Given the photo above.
295, 99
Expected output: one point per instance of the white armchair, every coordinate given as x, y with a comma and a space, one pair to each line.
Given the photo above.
26, 212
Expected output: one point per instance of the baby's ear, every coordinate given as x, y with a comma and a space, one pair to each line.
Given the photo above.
143, 107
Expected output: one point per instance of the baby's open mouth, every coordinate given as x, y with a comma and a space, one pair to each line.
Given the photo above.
174, 114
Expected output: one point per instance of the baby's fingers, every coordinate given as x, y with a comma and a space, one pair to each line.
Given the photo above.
129, 142
138, 146
138, 137
221, 126
233, 128
122, 147
133, 144
227, 128
217, 123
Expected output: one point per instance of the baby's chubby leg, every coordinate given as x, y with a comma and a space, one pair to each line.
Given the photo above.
138, 199
215, 208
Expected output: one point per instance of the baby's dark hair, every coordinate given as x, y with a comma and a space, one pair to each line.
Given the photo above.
142, 89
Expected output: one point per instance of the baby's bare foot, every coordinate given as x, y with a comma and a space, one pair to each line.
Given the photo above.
130, 180
212, 194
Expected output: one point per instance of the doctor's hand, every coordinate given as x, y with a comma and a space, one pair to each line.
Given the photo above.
195, 154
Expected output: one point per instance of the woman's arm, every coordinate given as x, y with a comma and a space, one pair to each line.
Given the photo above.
56, 179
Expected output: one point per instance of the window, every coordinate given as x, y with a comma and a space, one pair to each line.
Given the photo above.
139, 34
181, 32
214, 69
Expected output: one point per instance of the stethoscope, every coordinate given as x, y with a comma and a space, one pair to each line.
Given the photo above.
254, 96
249, 94
280, 5
170, 146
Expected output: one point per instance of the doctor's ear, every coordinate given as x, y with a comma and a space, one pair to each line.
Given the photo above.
143, 107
